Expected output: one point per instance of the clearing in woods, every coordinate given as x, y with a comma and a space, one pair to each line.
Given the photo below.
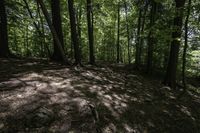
39, 96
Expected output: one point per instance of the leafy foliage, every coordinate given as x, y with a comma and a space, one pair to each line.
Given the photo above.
24, 39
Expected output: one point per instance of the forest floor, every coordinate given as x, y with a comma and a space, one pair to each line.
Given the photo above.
39, 96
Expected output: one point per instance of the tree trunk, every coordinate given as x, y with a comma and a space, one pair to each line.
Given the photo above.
151, 38
128, 35
142, 31
118, 35
57, 23
138, 52
74, 33
170, 78
90, 32
53, 31
42, 36
186, 43
4, 49
79, 19
26, 41
39, 38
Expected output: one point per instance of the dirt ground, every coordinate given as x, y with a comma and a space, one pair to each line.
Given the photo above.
39, 96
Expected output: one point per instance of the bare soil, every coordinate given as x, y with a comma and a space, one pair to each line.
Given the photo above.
40, 96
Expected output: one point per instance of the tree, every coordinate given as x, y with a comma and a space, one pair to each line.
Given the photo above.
138, 52
118, 34
4, 49
128, 34
142, 31
151, 38
79, 22
170, 78
90, 32
186, 43
74, 33
53, 31
57, 23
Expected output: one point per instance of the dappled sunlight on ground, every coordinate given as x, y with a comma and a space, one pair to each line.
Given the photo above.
39, 96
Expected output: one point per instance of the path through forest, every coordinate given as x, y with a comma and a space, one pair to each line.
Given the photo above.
37, 96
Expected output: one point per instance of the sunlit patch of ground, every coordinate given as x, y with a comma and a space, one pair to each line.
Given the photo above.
38, 96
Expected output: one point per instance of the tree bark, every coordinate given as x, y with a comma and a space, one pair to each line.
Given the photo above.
4, 49
53, 31
137, 58
170, 78
57, 23
142, 31
128, 35
186, 43
42, 35
151, 38
74, 33
118, 34
79, 19
90, 32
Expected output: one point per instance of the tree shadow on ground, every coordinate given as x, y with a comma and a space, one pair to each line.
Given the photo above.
41, 97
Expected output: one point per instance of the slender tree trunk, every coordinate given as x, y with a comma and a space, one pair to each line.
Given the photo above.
57, 23
128, 35
142, 31
186, 43
170, 78
27, 41
4, 49
74, 33
120, 54
151, 38
42, 36
137, 58
40, 39
79, 19
90, 32
15, 41
118, 34
46, 46
53, 31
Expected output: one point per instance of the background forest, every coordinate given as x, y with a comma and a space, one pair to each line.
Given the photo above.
100, 65
126, 31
